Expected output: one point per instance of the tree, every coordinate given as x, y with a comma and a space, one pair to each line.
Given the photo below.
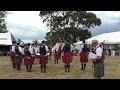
69, 24
3, 27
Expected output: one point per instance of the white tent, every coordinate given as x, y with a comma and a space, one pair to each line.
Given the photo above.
6, 38
109, 38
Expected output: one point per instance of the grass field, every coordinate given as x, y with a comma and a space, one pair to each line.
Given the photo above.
56, 71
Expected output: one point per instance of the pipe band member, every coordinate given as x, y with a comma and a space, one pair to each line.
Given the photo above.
43, 56
98, 61
67, 58
12, 55
83, 55
58, 51
28, 58
18, 54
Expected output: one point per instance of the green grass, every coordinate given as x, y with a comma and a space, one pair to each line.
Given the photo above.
56, 71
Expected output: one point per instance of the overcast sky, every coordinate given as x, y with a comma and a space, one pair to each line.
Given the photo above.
28, 26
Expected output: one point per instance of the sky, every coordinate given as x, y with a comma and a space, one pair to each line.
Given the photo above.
28, 25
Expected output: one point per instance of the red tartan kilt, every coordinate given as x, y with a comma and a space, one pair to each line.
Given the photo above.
59, 54
43, 59
83, 57
67, 58
12, 56
26, 62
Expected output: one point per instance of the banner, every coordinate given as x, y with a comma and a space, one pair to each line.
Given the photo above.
5, 39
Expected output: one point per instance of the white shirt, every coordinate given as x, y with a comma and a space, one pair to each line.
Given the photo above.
71, 47
36, 49
63, 44
31, 50
57, 46
23, 53
81, 47
46, 48
13, 48
20, 49
99, 51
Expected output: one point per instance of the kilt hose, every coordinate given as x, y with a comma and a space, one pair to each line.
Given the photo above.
43, 59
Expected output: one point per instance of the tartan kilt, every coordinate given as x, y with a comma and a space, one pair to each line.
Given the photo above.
59, 54
83, 57
18, 59
28, 61
99, 70
43, 59
12, 56
67, 58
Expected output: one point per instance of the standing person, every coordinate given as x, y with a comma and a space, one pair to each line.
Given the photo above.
113, 53
67, 59
43, 56
23, 53
83, 52
36, 48
58, 51
13, 54
98, 61
32, 51
28, 58
18, 54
